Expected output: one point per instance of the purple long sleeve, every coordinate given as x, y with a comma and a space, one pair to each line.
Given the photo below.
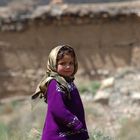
65, 118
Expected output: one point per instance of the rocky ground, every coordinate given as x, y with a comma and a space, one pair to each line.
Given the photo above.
115, 103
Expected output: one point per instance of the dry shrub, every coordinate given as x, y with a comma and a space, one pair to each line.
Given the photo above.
130, 130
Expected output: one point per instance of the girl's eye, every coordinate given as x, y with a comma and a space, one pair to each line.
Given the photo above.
62, 63
71, 63
66, 64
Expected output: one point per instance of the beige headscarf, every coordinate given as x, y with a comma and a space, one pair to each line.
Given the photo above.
51, 73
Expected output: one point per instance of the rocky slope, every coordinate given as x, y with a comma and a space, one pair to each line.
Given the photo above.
116, 102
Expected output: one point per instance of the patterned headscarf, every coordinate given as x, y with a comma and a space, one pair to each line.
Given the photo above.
51, 73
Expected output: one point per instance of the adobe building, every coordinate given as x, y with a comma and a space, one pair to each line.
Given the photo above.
105, 37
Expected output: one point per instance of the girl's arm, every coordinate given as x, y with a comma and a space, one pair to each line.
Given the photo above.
59, 109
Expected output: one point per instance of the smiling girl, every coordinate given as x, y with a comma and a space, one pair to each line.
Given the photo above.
65, 118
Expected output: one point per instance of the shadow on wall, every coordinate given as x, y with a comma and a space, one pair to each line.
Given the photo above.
104, 58
19, 66
5, 76
98, 46
107, 46
21, 61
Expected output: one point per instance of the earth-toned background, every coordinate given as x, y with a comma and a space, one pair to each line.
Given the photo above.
106, 40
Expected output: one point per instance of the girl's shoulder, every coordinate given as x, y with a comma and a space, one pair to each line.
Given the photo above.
55, 85
52, 83
53, 80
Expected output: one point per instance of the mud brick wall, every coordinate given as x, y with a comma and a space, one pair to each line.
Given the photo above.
103, 41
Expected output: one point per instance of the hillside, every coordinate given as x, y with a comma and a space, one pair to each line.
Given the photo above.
113, 109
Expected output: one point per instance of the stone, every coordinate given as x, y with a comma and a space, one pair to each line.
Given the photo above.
102, 97
109, 82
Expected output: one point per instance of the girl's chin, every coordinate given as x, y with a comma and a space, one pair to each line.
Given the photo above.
67, 75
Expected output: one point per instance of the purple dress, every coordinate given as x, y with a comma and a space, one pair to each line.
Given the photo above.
65, 119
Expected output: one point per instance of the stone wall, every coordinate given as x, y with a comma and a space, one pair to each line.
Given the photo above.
103, 41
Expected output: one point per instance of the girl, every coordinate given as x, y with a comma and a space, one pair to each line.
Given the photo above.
65, 119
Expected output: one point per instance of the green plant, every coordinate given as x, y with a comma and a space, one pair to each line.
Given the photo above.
94, 86
99, 135
90, 87
3, 132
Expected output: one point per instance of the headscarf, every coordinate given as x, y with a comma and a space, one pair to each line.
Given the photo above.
51, 73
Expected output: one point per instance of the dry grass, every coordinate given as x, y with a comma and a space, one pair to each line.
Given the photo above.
19, 122
130, 130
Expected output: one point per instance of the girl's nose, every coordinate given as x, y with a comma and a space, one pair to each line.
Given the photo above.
67, 66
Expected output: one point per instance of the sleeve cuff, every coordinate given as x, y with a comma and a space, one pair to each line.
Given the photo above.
75, 124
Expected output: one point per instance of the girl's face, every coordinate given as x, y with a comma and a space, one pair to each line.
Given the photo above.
65, 66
